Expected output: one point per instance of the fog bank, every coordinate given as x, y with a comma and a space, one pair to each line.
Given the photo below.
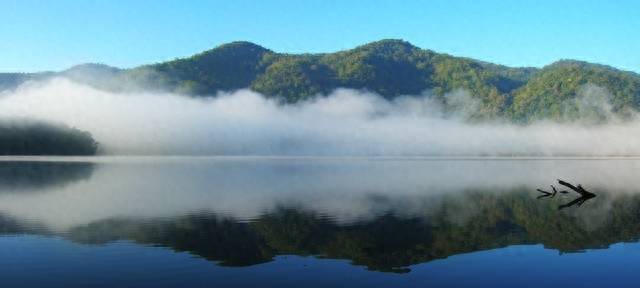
345, 123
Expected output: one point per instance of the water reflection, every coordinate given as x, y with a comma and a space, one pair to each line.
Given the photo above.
584, 194
385, 243
34, 176
384, 215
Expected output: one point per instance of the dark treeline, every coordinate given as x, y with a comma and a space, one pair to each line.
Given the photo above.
27, 137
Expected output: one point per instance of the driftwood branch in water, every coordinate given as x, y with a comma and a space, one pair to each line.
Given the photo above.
550, 194
545, 194
556, 191
584, 194
578, 201
579, 189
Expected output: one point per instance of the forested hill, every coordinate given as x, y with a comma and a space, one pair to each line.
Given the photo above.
31, 137
389, 67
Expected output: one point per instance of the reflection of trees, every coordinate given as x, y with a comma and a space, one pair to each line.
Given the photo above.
9, 225
387, 242
12, 226
213, 238
40, 175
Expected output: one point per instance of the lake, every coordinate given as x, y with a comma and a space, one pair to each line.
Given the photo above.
317, 222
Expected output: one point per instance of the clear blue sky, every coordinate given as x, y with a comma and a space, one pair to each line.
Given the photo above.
53, 35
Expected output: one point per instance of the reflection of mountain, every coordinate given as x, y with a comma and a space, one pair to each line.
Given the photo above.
224, 240
21, 175
464, 223
9, 225
13, 226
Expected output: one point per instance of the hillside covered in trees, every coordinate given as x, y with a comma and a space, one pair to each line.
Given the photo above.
27, 137
390, 68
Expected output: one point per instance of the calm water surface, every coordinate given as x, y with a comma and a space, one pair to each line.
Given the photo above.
317, 222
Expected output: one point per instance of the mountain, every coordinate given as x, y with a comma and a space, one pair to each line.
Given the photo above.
12, 80
550, 93
390, 68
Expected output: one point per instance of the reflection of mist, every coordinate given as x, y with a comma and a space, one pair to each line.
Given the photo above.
346, 190
385, 242
382, 213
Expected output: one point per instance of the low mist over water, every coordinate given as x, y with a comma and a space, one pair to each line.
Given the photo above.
344, 123
64, 195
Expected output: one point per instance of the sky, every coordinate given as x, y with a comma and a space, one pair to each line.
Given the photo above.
54, 35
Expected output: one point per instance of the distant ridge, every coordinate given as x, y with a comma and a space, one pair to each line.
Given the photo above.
388, 67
